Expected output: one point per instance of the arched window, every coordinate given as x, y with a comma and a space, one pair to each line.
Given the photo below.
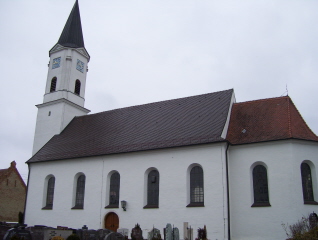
114, 190
260, 186
153, 189
308, 192
77, 89
196, 187
80, 191
50, 193
53, 84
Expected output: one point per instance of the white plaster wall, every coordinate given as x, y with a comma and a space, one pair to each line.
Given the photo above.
51, 120
283, 160
71, 96
172, 165
66, 76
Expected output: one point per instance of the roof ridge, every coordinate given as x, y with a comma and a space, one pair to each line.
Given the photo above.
301, 117
263, 99
148, 104
289, 120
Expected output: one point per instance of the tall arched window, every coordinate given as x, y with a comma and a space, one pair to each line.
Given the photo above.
153, 189
260, 187
308, 192
77, 89
53, 84
80, 192
196, 187
50, 193
114, 187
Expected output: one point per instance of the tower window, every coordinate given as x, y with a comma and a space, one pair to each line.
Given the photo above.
77, 89
53, 85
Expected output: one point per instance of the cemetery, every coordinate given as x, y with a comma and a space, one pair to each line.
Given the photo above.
41, 232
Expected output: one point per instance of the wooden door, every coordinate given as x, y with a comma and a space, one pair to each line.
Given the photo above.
112, 221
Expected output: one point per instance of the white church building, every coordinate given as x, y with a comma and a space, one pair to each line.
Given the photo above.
241, 169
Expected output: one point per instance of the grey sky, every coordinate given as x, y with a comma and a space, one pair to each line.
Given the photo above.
148, 50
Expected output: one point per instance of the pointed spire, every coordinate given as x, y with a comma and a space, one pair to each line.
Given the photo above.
72, 35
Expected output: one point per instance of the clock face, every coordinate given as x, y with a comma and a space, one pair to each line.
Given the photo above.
80, 66
56, 62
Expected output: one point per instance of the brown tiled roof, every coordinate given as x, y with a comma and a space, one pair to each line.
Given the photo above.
267, 120
172, 123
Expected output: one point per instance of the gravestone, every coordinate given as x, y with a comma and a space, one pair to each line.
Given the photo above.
102, 233
154, 234
168, 232
21, 233
176, 235
90, 234
187, 231
48, 233
136, 233
123, 231
114, 236
37, 231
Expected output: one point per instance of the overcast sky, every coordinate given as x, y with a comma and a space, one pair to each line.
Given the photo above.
144, 51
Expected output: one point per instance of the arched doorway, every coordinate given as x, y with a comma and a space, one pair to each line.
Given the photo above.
112, 221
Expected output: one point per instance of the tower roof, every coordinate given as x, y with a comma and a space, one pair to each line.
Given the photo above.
72, 35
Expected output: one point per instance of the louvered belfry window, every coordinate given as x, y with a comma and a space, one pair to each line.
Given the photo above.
53, 84
308, 192
260, 185
80, 191
153, 189
196, 185
77, 89
114, 189
50, 193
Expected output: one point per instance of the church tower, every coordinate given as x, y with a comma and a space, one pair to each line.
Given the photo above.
65, 85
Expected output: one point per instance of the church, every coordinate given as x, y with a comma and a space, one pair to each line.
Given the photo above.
240, 168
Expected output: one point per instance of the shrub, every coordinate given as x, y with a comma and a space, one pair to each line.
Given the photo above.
73, 237
304, 229
57, 238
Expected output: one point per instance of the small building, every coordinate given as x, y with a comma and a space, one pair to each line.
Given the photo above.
12, 194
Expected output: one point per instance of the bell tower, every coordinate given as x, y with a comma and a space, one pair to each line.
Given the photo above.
65, 85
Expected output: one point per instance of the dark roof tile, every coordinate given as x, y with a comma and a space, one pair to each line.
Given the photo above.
72, 35
172, 123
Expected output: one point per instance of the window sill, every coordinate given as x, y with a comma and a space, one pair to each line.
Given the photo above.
151, 206
261, 205
112, 206
195, 205
47, 208
310, 202
78, 207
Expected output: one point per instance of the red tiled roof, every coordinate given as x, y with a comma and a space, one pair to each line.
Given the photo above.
267, 120
178, 122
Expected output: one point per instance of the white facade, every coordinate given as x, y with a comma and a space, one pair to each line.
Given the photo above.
173, 166
282, 160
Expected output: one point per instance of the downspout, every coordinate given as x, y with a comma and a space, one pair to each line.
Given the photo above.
228, 191
26, 195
